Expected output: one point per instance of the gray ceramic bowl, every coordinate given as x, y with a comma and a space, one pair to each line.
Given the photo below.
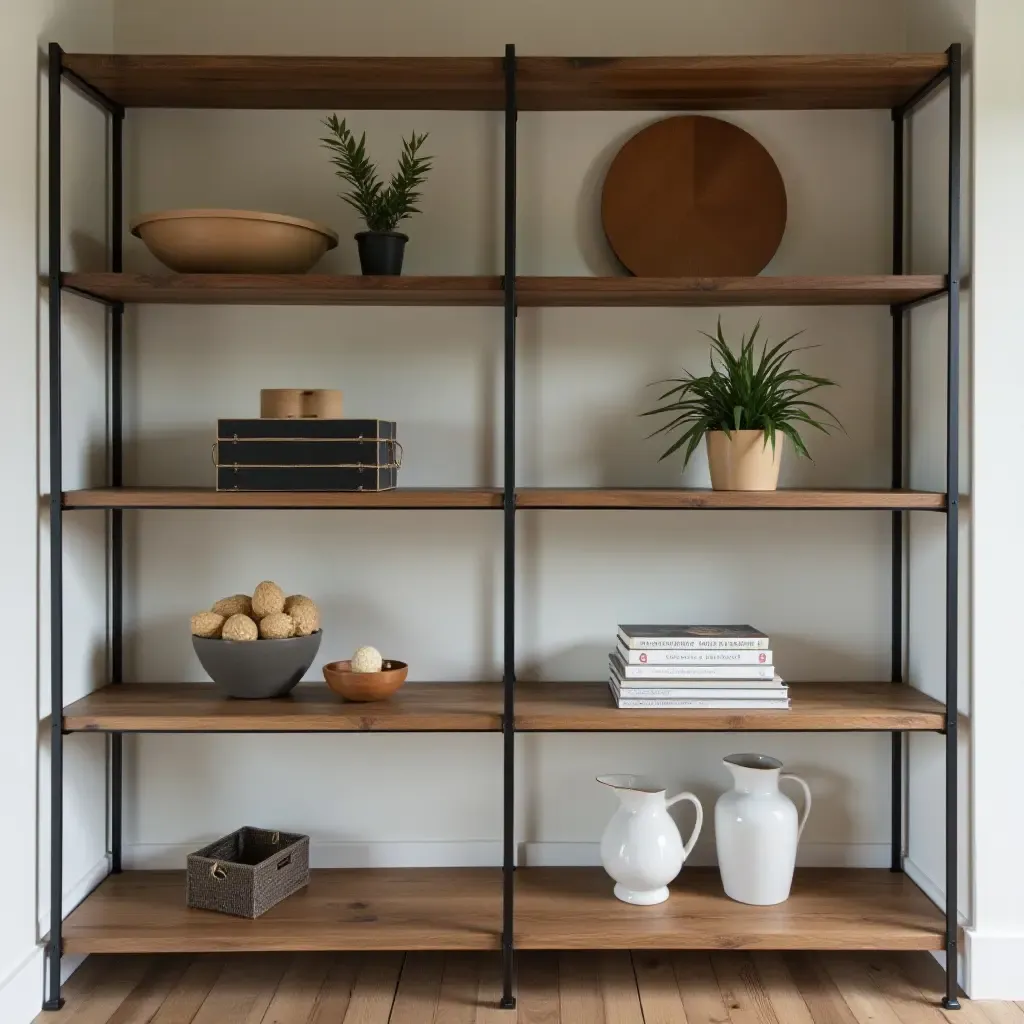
256, 668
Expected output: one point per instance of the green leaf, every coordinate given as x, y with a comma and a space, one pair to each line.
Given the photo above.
754, 389
383, 209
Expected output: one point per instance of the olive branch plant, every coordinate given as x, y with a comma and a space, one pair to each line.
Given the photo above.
743, 394
383, 208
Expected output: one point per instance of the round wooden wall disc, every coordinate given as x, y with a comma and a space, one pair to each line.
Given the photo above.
693, 197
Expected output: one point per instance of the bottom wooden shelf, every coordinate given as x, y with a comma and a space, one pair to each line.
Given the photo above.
555, 908
573, 908
432, 908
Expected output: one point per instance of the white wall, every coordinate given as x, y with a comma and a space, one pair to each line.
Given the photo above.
426, 586
26, 26
996, 942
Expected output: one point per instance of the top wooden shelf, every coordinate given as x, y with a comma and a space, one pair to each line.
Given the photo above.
807, 81
347, 290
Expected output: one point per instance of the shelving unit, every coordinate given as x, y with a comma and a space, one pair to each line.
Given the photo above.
527, 907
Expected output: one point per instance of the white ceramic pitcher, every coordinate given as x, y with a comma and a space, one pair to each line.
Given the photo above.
641, 848
757, 831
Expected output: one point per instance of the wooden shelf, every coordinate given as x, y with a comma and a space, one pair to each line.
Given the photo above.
807, 81
477, 707
311, 707
573, 908
680, 498
198, 497
340, 290
294, 83
288, 289
530, 497
476, 83
407, 909
727, 291
853, 707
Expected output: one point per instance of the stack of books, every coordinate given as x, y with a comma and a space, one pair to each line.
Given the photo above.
720, 667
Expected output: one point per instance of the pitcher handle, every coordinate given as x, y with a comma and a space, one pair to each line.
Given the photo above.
807, 801
695, 834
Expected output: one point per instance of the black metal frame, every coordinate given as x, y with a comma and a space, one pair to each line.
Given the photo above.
952, 74
58, 73
508, 725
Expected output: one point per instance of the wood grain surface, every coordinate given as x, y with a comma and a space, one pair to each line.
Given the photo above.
311, 707
726, 291
608, 987
288, 289
530, 497
683, 498
806, 81
297, 83
551, 707
828, 909
355, 909
201, 497
329, 289
693, 196
477, 707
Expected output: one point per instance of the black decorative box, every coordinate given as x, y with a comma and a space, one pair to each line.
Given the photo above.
307, 455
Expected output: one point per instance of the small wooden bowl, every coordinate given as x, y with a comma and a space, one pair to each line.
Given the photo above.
365, 686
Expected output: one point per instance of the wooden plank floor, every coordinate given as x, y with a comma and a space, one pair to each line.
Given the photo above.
617, 987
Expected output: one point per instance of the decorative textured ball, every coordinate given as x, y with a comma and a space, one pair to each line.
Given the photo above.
306, 618
367, 659
291, 602
267, 599
207, 624
240, 627
237, 604
277, 626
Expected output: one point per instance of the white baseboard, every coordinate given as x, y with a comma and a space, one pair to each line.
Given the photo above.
994, 965
487, 853
21, 992
483, 853
822, 855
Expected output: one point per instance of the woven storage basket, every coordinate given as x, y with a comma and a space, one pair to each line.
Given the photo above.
247, 872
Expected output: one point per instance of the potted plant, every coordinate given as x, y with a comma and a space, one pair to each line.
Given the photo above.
381, 247
745, 407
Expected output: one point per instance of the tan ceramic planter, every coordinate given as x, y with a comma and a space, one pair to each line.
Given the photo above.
233, 241
743, 461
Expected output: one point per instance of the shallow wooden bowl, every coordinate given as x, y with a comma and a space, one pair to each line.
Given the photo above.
365, 686
233, 241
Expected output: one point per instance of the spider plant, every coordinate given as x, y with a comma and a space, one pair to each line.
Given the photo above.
744, 392
382, 208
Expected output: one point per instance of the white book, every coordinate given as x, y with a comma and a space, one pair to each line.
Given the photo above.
692, 638
681, 673
696, 703
689, 693
655, 657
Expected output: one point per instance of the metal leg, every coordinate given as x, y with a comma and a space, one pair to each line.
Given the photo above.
116, 480
508, 1001
951, 1002
896, 669
53, 1000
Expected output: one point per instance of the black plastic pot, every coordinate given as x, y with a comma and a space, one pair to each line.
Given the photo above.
381, 252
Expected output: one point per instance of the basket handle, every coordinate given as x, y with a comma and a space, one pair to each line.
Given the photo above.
218, 872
